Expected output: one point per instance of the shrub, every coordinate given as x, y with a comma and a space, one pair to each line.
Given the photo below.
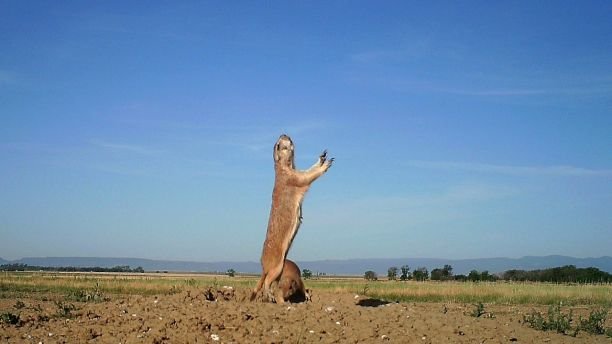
556, 321
595, 323
536, 321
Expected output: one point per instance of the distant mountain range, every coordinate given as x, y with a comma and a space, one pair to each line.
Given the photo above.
330, 267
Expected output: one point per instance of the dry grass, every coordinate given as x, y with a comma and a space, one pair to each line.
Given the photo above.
488, 292
15, 284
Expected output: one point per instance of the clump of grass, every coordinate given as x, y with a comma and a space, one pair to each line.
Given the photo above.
556, 320
173, 290
83, 295
365, 289
191, 282
478, 311
536, 321
562, 323
595, 323
10, 318
64, 310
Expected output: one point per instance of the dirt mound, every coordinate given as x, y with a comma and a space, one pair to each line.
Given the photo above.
223, 315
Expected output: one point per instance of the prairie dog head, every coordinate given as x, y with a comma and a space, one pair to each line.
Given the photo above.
291, 284
284, 152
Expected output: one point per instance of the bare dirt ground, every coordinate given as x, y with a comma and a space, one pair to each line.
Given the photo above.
225, 315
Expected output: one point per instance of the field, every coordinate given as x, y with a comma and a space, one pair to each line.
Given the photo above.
195, 308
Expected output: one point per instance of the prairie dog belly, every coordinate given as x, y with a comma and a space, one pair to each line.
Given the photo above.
290, 186
285, 220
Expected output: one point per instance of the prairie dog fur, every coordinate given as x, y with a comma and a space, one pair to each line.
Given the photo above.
291, 285
290, 186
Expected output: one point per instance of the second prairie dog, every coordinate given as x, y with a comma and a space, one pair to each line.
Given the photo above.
291, 285
290, 186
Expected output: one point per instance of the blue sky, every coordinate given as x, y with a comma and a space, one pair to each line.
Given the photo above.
460, 130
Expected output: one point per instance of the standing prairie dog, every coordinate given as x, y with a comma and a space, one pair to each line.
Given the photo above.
290, 186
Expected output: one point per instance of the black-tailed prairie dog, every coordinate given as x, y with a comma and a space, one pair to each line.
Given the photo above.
291, 285
290, 186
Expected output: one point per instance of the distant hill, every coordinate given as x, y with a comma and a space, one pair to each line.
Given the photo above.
331, 267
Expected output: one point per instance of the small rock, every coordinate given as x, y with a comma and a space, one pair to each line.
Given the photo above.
356, 296
424, 337
214, 337
385, 337
513, 339
311, 331
329, 309
337, 323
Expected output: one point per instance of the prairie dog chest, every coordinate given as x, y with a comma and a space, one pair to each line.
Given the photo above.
286, 214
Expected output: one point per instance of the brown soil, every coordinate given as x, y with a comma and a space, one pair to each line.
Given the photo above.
226, 316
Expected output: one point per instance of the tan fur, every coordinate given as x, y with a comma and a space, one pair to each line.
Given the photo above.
291, 285
290, 186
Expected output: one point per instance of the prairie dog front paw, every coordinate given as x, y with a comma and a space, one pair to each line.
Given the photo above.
323, 157
328, 163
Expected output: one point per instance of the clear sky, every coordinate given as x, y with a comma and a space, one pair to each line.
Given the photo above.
460, 129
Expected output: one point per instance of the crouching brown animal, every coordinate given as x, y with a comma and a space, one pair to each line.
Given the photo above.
290, 186
291, 285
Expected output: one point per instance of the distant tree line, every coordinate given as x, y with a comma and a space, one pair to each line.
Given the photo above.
564, 274
25, 267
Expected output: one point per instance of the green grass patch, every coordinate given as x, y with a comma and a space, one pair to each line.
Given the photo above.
563, 322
